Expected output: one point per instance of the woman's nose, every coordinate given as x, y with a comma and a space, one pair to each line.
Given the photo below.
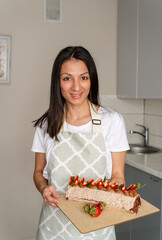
76, 85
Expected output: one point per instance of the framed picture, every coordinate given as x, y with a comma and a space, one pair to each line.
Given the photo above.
5, 52
53, 11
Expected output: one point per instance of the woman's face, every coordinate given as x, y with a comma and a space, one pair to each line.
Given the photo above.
75, 81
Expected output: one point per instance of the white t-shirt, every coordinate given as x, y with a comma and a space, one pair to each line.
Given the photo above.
113, 129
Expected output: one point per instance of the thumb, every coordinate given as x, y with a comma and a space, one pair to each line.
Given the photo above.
53, 191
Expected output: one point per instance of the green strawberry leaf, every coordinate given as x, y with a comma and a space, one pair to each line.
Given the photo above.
140, 186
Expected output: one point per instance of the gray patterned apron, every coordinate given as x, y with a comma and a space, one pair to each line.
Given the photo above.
82, 154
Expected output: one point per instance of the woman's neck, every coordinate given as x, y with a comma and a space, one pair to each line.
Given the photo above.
78, 114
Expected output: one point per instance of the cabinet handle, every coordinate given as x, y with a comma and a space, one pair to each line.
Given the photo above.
155, 179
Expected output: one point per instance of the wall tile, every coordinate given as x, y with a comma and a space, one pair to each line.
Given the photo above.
153, 106
154, 123
123, 105
155, 141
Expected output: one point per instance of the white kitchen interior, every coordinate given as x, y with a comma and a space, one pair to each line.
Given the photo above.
34, 44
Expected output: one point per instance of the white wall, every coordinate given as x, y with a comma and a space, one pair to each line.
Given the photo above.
91, 23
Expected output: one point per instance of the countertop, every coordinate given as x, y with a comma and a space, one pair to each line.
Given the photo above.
150, 163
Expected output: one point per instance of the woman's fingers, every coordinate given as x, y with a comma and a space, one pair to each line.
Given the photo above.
50, 196
53, 192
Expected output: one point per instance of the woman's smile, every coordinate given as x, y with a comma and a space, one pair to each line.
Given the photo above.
74, 95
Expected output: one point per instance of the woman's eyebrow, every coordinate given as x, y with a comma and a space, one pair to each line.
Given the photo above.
84, 73
66, 74
71, 74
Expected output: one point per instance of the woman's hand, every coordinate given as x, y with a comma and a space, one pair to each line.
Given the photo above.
118, 180
50, 196
49, 193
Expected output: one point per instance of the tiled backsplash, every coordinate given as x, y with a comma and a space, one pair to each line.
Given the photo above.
145, 112
153, 119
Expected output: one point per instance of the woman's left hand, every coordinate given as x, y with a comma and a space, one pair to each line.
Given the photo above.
118, 180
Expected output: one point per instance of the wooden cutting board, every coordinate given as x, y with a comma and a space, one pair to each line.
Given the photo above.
109, 216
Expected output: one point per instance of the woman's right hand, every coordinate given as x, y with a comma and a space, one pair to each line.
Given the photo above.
48, 192
50, 196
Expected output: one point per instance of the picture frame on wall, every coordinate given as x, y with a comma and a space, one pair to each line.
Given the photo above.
53, 11
5, 58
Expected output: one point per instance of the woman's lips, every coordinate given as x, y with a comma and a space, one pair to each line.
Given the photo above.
76, 95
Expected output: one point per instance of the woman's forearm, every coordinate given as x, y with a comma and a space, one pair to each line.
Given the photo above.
40, 181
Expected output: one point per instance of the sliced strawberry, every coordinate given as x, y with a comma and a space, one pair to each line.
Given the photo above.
99, 180
72, 178
77, 182
123, 188
106, 184
70, 182
76, 177
134, 186
129, 187
114, 185
100, 184
82, 179
85, 183
91, 180
93, 184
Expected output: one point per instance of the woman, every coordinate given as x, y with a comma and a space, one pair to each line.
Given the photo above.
75, 136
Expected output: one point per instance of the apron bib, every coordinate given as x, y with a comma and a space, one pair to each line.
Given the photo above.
82, 154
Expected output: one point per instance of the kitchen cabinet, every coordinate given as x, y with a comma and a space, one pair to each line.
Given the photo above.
139, 60
148, 227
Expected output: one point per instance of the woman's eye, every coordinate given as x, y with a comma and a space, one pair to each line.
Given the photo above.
84, 78
66, 78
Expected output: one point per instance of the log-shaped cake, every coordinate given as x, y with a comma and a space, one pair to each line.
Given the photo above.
112, 194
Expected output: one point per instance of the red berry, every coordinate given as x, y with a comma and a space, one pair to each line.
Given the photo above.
85, 183
76, 182
106, 184
129, 187
124, 189
101, 206
76, 177
70, 181
91, 180
93, 184
100, 184
99, 180
95, 211
82, 179
114, 186
134, 186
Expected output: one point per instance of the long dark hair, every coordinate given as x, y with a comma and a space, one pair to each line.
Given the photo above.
55, 113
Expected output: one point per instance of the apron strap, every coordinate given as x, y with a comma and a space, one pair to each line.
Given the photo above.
96, 122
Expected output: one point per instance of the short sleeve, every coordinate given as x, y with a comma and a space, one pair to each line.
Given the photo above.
114, 130
38, 141
118, 137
